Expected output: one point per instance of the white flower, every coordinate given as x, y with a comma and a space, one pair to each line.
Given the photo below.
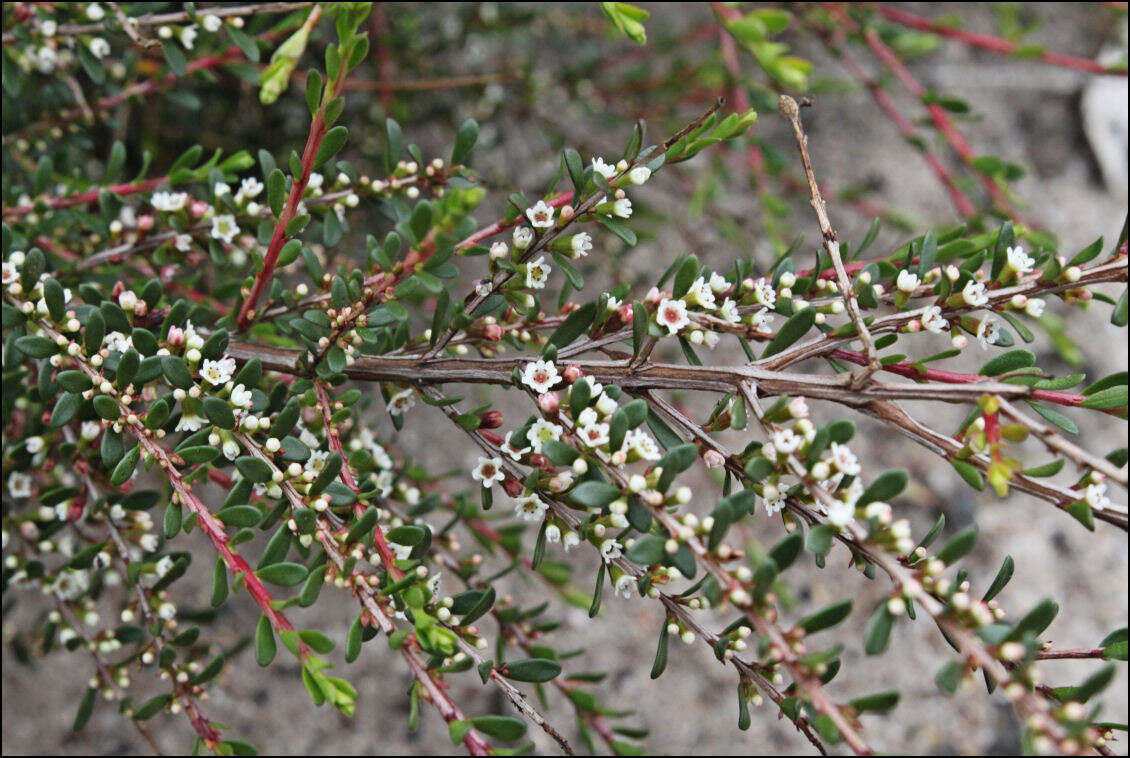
19, 484
581, 244
605, 405
610, 550
212, 22
718, 283
164, 566
907, 282
71, 584
1019, 261
700, 294
1034, 307
640, 442
241, 397
530, 507
764, 293
94, 12
774, 501
401, 402
192, 338
90, 430
188, 36
622, 208
786, 441
606, 170
762, 321
798, 407
224, 227
639, 174
844, 459
540, 376
540, 215
169, 201
499, 250
974, 294
316, 180
250, 187
189, 422
841, 514
932, 319
218, 372
34, 444
99, 47
624, 586
523, 237
488, 471
541, 432
673, 315
988, 331
594, 435
553, 533
118, 342
317, 461
1095, 496
586, 417
183, 242
46, 60
570, 540
537, 273
508, 448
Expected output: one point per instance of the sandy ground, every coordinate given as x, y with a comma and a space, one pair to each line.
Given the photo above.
1028, 114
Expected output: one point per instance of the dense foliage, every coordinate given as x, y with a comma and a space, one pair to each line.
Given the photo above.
214, 343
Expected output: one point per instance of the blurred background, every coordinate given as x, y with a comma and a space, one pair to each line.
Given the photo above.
540, 77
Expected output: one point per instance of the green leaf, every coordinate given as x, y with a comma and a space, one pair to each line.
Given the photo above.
792, 330
502, 728
531, 670
265, 647
888, 485
283, 574
878, 631
573, 326
959, 546
826, 617
594, 494
331, 144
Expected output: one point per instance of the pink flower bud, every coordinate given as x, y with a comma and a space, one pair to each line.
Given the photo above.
492, 332
549, 402
513, 487
713, 459
176, 336
491, 437
572, 373
491, 420
198, 208
626, 313
145, 222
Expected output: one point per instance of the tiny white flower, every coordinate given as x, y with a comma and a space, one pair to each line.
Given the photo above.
1019, 261
401, 402
537, 273
594, 435
90, 430
241, 397
218, 372
718, 283
700, 294
169, 201
622, 208
94, 12
523, 237
19, 484
606, 170
988, 331
540, 215
513, 452
230, 450
188, 36
570, 540
786, 441
673, 315
1095, 496
553, 533
774, 501
530, 507
932, 319
189, 422
586, 417
183, 242
840, 514
540, 376
488, 471
250, 187
641, 443
224, 227
974, 294
762, 321
581, 244
499, 250
624, 586
1034, 307
610, 550
212, 22
483, 287
99, 48
541, 432
639, 174
764, 293
907, 282
844, 459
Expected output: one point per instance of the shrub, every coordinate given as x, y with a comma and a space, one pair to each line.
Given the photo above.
202, 343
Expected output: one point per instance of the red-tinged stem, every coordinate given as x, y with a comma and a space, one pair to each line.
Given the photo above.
911, 371
318, 129
940, 118
993, 43
387, 556
962, 203
501, 226
90, 196
1076, 654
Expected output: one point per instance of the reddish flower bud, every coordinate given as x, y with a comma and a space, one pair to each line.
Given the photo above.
145, 222
490, 420
626, 313
493, 332
572, 373
549, 402
491, 437
513, 487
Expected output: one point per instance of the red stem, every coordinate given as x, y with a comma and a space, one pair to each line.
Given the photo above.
993, 43
909, 370
280, 237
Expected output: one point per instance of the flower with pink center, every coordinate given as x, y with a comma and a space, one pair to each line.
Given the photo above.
672, 314
540, 215
488, 471
594, 435
540, 376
